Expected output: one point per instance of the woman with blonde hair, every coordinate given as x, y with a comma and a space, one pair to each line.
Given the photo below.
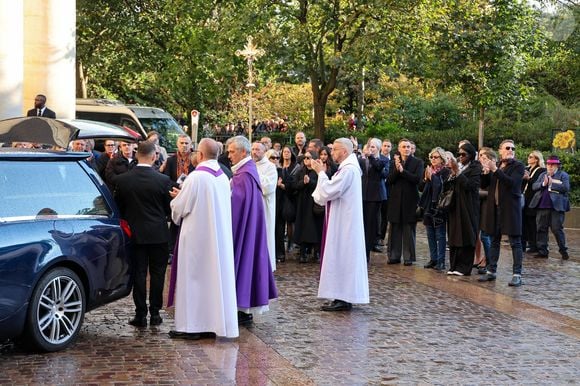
484, 239
436, 174
535, 167
372, 167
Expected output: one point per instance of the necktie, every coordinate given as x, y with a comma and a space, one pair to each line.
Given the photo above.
40, 112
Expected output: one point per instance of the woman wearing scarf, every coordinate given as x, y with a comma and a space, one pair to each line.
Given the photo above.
435, 220
535, 167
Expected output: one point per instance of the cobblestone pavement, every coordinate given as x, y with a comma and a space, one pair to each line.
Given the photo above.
421, 327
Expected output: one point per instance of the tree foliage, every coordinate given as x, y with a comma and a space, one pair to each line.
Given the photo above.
180, 54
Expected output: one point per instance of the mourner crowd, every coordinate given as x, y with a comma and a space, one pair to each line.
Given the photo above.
238, 209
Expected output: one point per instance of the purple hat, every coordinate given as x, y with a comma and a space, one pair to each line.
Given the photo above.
553, 160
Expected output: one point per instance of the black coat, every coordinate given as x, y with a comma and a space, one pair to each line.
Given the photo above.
431, 191
527, 188
308, 226
371, 179
463, 216
403, 191
509, 193
143, 198
116, 166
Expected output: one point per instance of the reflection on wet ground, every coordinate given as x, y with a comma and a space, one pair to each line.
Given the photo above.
421, 327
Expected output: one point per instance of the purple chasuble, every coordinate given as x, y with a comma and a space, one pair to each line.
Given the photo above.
173, 276
255, 284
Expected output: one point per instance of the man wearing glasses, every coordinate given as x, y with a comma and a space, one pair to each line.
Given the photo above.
503, 208
110, 149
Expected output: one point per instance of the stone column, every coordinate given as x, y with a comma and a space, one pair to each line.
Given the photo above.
49, 54
11, 57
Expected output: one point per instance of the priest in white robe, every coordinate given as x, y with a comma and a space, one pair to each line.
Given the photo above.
205, 289
343, 275
268, 182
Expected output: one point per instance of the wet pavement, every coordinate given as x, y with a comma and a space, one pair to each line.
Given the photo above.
421, 327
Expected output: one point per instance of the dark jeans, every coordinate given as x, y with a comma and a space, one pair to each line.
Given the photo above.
517, 254
152, 257
486, 243
555, 220
436, 236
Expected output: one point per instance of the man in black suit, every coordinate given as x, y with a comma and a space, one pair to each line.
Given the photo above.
405, 173
40, 109
142, 195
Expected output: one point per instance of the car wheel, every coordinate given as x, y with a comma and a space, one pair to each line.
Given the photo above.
56, 310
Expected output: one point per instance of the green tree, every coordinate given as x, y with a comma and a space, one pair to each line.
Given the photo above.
324, 40
483, 48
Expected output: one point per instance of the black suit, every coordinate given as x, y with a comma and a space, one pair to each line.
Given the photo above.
142, 195
47, 113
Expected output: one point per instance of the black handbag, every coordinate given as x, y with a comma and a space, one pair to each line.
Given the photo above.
446, 200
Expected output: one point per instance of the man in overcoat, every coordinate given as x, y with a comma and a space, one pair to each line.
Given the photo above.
503, 209
405, 173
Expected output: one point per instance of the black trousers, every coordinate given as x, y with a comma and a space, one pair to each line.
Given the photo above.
529, 232
279, 235
371, 224
402, 242
384, 223
461, 259
152, 257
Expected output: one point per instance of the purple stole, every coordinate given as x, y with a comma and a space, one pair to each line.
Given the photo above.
173, 277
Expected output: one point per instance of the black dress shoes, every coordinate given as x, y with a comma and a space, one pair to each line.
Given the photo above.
245, 319
191, 335
155, 320
408, 263
337, 305
393, 261
138, 321
430, 264
565, 256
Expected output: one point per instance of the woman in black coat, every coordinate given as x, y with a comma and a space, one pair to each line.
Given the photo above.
463, 214
535, 167
372, 166
435, 220
288, 196
308, 225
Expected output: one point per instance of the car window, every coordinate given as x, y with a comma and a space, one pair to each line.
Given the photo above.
168, 131
48, 190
